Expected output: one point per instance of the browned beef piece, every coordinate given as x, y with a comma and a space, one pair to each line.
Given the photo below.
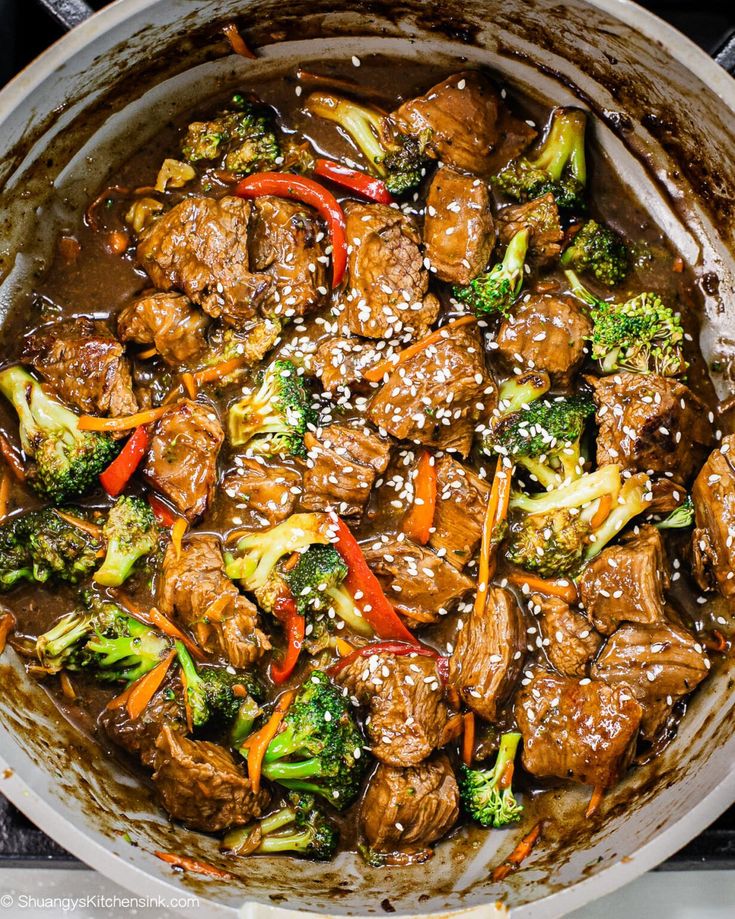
249, 343
420, 585
343, 461
541, 217
388, 284
182, 457
667, 495
403, 694
265, 491
584, 732
404, 811
85, 365
567, 635
514, 136
713, 540
169, 322
340, 362
464, 121
650, 424
200, 247
436, 396
461, 501
286, 242
660, 663
488, 653
548, 333
201, 785
459, 233
627, 582
188, 588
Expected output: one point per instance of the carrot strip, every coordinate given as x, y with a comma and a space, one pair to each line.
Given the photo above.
218, 371
564, 589
452, 730
190, 385
344, 648
4, 495
159, 621
468, 738
595, 801
497, 511
375, 373
257, 743
92, 528
177, 535
147, 354
191, 864
146, 687
506, 779
67, 687
7, 624
602, 513
521, 852
12, 459
237, 42
123, 422
215, 609
420, 517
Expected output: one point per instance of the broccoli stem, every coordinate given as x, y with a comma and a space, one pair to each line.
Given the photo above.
518, 392
506, 753
244, 720
285, 842
344, 607
564, 146
65, 634
280, 771
605, 481
277, 820
631, 502
514, 259
577, 288
361, 123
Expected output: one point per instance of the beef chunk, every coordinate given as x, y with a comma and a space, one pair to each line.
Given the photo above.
488, 653
459, 233
200, 247
660, 663
461, 501
404, 811
713, 540
584, 732
626, 582
436, 396
649, 423
407, 714
182, 457
541, 218
265, 493
461, 117
547, 333
286, 242
168, 321
667, 495
201, 785
420, 585
341, 362
343, 462
387, 294
567, 635
189, 587
85, 365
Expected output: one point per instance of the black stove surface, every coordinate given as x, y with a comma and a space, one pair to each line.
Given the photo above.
25, 31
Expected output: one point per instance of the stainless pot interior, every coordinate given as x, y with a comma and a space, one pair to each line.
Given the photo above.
666, 120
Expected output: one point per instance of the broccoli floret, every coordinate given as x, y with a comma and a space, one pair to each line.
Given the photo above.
274, 418
496, 290
520, 391
599, 251
131, 532
104, 642
299, 827
641, 335
557, 165
320, 749
246, 137
67, 461
41, 546
552, 534
487, 794
212, 696
399, 159
680, 518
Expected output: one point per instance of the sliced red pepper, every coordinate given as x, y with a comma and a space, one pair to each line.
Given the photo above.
118, 473
420, 517
360, 182
373, 603
299, 188
396, 648
294, 626
163, 513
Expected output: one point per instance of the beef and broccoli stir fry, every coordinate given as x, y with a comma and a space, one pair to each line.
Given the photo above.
360, 479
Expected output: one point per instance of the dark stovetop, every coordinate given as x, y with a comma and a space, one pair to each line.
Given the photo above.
25, 30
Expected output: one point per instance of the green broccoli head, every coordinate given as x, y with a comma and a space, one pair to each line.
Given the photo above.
274, 418
599, 251
557, 165
496, 290
131, 532
318, 570
487, 794
551, 544
405, 162
66, 461
213, 696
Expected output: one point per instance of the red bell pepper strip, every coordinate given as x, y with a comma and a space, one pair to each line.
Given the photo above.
118, 473
163, 513
299, 188
360, 182
420, 517
373, 603
294, 626
396, 648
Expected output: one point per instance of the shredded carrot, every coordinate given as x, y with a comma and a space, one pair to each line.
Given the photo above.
718, 642
419, 520
603, 511
147, 354
343, 647
122, 422
177, 535
67, 687
218, 371
189, 384
191, 864
595, 801
92, 528
12, 459
375, 373
521, 852
497, 511
159, 621
236, 41
173, 396
452, 730
257, 743
468, 738
122, 699
4, 495
217, 607
506, 779
292, 561
146, 687
678, 265
117, 242
564, 589
239, 691
7, 624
